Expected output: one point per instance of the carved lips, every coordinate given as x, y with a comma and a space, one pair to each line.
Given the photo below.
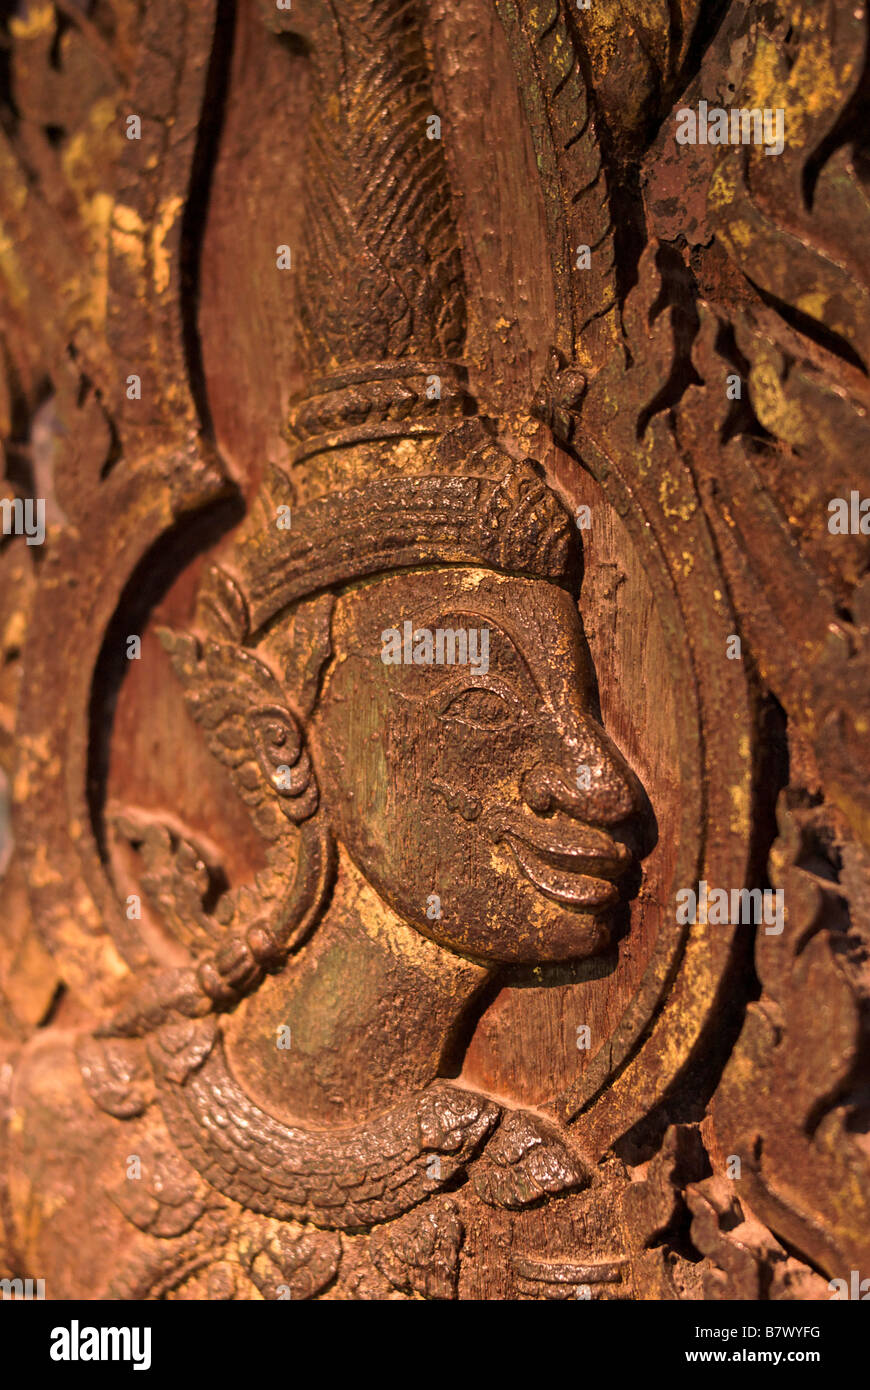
577, 870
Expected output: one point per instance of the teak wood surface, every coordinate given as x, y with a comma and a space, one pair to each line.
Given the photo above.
330, 966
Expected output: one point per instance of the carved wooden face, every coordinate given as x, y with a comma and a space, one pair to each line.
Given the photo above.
479, 797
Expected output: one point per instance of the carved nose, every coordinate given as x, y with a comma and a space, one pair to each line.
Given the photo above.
599, 787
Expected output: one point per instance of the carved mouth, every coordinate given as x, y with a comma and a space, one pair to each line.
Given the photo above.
578, 872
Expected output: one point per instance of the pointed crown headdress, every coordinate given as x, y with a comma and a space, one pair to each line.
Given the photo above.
382, 317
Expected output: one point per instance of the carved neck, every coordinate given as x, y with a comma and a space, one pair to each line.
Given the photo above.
372, 1009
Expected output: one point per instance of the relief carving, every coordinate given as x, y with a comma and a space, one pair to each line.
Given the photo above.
342, 951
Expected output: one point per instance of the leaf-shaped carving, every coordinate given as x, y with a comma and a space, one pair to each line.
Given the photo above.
526, 1159
248, 727
419, 1253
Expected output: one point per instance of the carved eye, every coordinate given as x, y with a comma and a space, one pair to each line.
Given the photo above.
483, 709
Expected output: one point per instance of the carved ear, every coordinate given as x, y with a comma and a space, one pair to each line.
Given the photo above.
248, 727
283, 758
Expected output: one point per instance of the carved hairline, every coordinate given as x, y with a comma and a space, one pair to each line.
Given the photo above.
508, 520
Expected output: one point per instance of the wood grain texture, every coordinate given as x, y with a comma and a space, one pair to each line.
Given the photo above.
331, 973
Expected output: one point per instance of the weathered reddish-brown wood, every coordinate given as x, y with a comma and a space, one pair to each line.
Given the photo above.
218, 903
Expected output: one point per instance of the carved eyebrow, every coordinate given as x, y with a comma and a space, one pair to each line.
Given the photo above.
436, 618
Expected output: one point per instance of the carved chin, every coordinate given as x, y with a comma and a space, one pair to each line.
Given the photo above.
547, 937
560, 937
